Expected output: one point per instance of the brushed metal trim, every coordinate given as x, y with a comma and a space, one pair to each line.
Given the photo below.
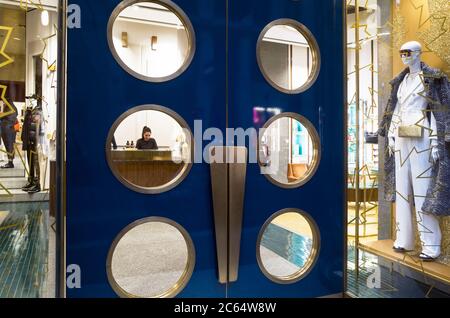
173, 183
184, 278
237, 177
61, 128
317, 147
219, 184
345, 150
228, 189
175, 9
312, 259
315, 52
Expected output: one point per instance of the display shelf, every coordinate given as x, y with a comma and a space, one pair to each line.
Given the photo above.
384, 249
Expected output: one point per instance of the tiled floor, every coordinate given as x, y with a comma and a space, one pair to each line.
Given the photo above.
23, 250
288, 245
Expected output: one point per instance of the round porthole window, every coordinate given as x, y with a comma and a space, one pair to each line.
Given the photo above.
151, 258
152, 40
288, 56
149, 149
288, 246
289, 150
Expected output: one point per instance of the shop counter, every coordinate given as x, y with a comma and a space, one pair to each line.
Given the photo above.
146, 168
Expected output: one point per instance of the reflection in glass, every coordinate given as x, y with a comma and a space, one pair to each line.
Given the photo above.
285, 57
287, 153
286, 245
150, 39
151, 149
149, 260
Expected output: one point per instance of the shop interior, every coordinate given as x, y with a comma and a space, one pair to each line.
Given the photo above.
286, 56
286, 151
376, 31
150, 40
27, 152
149, 148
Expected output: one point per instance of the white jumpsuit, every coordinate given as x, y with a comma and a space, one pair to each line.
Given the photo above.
413, 164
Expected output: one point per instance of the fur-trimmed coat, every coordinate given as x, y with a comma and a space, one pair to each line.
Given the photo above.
438, 94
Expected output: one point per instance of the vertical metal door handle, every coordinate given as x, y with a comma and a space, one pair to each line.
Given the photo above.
228, 174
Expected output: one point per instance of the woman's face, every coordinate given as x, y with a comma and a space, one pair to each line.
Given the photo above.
147, 136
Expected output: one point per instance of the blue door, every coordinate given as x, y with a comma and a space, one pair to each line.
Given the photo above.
286, 74
102, 87
284, 237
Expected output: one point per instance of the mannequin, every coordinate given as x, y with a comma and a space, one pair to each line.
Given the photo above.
415, 150
31, 136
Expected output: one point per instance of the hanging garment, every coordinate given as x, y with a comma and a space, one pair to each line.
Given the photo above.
25, 136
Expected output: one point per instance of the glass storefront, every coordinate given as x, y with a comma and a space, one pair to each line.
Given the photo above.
170, 226
398, 185
28, 91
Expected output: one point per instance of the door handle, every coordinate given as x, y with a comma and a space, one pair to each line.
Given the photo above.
228, 173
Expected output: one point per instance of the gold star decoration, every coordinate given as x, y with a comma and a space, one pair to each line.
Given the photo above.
9, 59
370, 66
36, 4
373, 106
396, 35
368, 192
420, 7
11, 111
437, 36
50, 66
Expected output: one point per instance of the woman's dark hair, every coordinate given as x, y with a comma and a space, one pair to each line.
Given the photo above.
146, 130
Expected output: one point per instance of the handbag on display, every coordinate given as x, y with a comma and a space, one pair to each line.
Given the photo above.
371, 137
412, 131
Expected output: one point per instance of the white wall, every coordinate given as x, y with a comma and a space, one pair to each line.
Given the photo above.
35, 46
279, 140
300, 70
171, 52
164, 128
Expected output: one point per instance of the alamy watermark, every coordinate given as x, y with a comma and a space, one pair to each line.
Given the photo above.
74, 16
374, 279
73, 278
265, 146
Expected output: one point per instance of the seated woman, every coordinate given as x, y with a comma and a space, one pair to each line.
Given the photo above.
146, 142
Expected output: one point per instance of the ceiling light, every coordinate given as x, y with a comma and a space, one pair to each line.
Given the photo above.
45, 19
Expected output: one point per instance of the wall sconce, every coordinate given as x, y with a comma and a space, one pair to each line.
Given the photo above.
124, 39
154, 43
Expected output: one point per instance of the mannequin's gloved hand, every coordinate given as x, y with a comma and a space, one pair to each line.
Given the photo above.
391, 146
434, 150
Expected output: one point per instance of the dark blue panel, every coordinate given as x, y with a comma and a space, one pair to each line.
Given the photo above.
323, 105
99, 91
